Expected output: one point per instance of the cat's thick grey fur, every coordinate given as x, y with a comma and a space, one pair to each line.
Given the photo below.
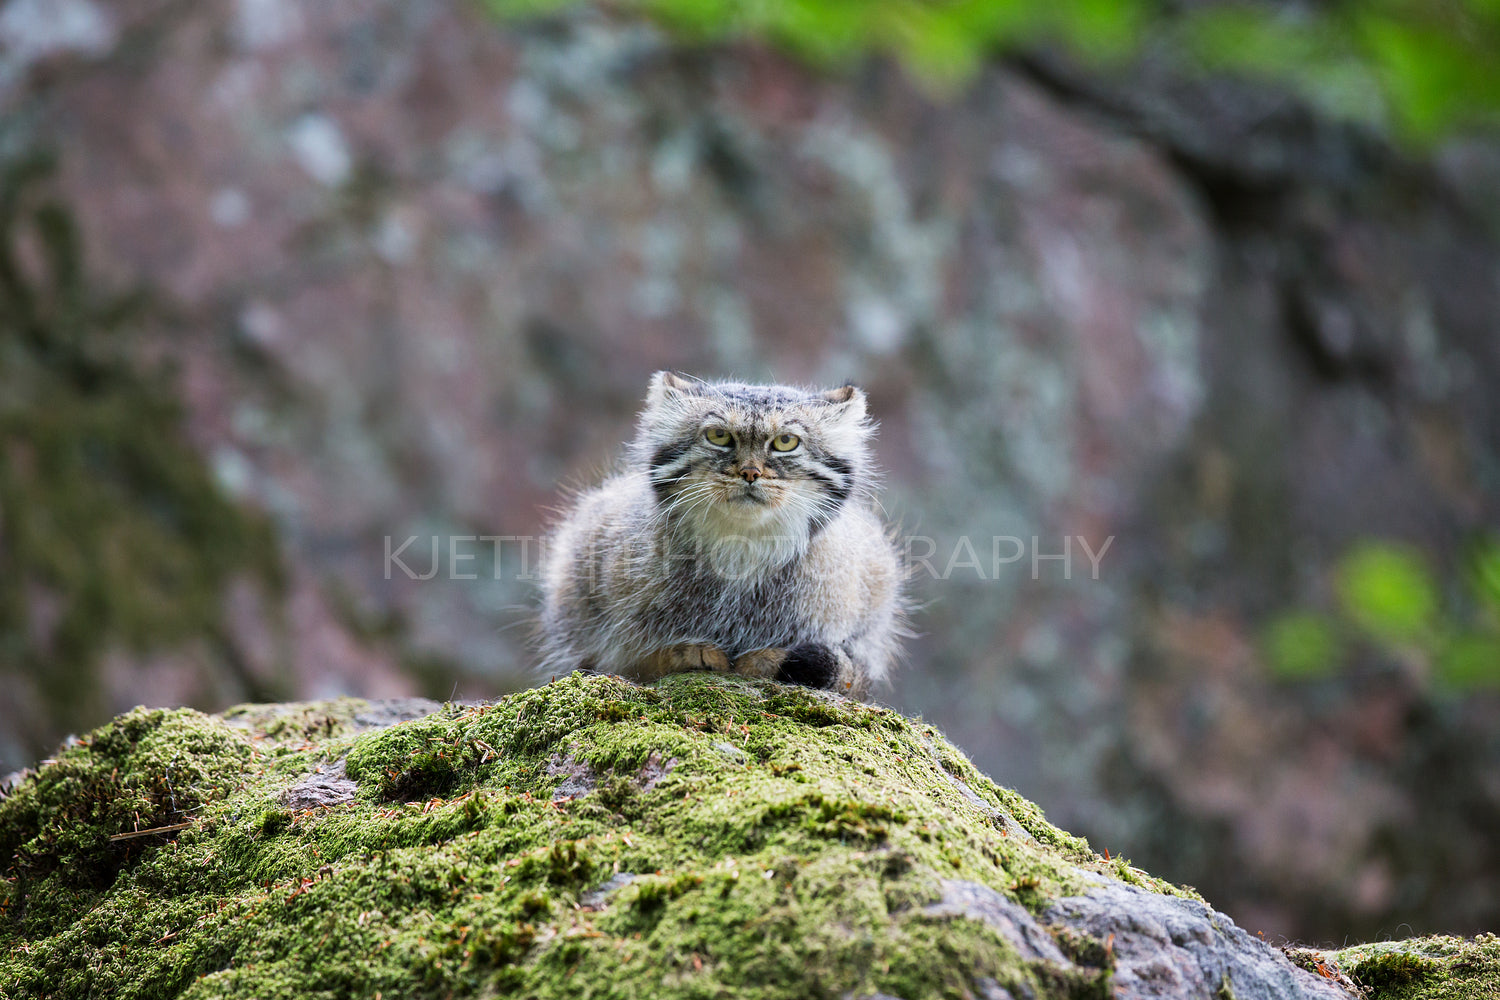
733, 555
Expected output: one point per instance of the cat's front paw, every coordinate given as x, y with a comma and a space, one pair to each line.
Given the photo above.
763, 663
685, 656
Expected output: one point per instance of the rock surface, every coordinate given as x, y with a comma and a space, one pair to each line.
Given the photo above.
297, 851
1172, 947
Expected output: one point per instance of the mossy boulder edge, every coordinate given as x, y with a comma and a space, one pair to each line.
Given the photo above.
702, 837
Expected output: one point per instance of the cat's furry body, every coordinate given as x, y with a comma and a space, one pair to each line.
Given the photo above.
741, 536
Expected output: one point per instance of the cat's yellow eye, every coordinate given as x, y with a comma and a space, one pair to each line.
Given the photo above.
718, 436
785, 442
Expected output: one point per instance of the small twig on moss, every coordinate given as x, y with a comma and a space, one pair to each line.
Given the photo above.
155, 829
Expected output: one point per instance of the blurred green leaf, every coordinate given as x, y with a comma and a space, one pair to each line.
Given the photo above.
824, 32
1308, 53
937, 44
1386, 590
697, 19
1302, 644
1484, 573
1427, 74
1471, 661
1104, 29
525, 8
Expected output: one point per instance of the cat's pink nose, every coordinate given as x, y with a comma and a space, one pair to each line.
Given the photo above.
750, 473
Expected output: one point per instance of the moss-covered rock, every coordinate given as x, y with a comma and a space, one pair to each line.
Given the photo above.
1427, 968
706, 836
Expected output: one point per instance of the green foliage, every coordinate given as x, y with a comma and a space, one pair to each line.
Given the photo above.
1388, 598
1387, 591
943, 44
1484, 576
1418, 67
1302, 644
1471, 660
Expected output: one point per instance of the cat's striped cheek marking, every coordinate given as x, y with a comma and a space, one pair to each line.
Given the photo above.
780, 466
665, 466
839, 490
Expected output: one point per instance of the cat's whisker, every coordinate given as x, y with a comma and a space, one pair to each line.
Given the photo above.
703, 501
689, 495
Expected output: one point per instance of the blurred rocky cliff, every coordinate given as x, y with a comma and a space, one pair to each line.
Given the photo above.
301, 303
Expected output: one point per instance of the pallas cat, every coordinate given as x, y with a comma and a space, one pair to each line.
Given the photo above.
741, 535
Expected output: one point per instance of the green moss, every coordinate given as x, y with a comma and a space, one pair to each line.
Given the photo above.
297, 722
1430, 968
1392, 970
800, 867
72, 828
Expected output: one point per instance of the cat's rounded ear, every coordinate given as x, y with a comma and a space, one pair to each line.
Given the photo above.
848, 402
667, 387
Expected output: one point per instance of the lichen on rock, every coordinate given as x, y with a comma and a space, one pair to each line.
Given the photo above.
335, 849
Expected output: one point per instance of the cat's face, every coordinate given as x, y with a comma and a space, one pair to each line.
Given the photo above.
730, 458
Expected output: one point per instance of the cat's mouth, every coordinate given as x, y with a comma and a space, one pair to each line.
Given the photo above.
748, 493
